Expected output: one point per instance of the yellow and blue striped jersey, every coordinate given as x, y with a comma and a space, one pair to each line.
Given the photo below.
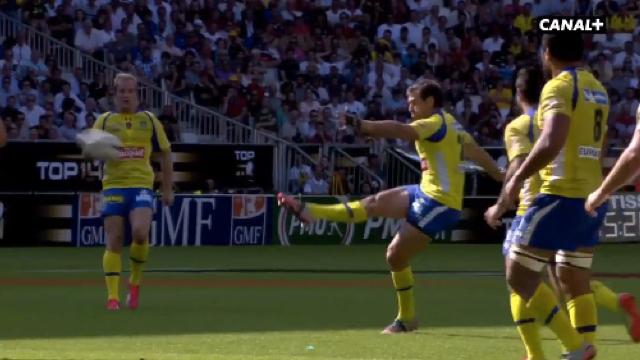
440, 150
576, 171
519, 137
141, 134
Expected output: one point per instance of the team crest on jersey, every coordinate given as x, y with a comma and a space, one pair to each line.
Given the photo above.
128, 124
143, 124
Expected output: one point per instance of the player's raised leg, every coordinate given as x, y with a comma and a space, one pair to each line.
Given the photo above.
140, 219
111, 260
392, 203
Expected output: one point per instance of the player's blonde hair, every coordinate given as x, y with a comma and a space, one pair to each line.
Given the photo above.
124, 76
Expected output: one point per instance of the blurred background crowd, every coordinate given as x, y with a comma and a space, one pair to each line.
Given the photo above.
291, 67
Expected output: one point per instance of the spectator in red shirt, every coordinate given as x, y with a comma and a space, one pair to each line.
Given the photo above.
235, 105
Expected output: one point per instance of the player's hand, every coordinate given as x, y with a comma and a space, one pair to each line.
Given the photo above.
511, 190
594, 201
167, 197
352, 121
493, 215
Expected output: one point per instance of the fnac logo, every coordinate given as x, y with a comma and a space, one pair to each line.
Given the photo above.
248, 206
580, 24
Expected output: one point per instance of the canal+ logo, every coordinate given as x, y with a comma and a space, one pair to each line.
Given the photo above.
581, 24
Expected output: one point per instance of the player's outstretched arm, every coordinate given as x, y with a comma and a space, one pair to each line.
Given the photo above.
624, 169
472, 151
389, 129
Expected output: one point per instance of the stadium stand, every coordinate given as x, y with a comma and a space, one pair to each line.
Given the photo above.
290, 68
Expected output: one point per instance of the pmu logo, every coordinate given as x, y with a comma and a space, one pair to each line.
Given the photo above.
581, 24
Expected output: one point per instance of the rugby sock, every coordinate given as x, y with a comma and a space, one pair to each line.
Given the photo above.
403, 283
112, 265
584, 316
138, 255
604, 296
545, 305
528, 328
347, 212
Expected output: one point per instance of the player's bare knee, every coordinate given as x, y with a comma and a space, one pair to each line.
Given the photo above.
139, 235
395, 258
114, 243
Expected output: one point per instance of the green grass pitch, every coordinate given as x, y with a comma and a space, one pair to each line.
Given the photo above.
219, 303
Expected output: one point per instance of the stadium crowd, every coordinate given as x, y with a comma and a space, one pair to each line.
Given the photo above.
291, 67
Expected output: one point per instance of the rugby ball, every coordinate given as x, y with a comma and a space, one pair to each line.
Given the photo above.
98, 144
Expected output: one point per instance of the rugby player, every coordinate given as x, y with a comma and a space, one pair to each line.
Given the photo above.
572, 117
128, 186
520, 135
429, 208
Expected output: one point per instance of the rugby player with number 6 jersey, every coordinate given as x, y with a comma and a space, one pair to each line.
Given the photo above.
429, 208
128, 186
